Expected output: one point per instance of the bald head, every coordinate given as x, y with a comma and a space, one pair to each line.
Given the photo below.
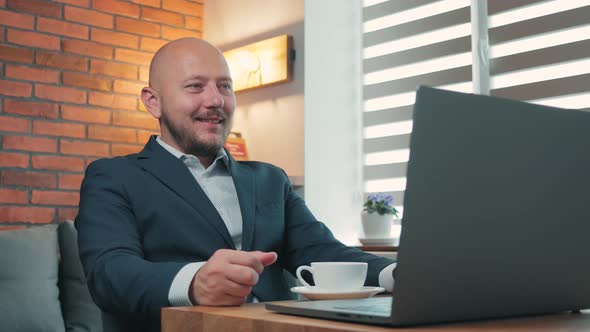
170, 58
191, 94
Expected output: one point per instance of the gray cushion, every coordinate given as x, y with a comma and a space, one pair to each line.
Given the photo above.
29, 295
79, 311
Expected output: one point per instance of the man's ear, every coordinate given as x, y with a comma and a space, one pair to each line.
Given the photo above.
151, 101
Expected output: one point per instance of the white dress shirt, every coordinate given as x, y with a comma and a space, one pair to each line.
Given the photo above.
218, 185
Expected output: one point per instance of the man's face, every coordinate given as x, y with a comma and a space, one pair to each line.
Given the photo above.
197, 101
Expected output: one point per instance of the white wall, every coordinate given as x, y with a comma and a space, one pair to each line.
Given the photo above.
333, 136
271, 118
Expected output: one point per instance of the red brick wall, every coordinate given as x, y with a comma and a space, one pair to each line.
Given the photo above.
70, 76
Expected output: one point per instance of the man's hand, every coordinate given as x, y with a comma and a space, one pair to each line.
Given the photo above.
228, 277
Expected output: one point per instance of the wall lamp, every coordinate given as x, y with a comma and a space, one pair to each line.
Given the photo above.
261, 64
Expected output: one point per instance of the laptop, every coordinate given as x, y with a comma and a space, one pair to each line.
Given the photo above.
496, 216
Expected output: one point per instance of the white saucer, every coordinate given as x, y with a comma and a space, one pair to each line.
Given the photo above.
379, 241
315, 294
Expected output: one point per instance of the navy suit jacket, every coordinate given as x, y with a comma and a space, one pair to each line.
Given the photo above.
143, 217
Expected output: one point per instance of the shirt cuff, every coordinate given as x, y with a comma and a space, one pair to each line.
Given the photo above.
386, 277
178, 293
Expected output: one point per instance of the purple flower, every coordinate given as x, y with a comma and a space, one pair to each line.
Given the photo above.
383, 198
381, 203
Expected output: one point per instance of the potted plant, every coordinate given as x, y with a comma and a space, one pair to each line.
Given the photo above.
377, 215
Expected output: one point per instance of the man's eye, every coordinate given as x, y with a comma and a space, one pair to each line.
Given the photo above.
226, 86
195, 86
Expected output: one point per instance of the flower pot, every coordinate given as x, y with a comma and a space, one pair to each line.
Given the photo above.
376, 225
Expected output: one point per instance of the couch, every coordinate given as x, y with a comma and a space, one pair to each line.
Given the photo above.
42, 283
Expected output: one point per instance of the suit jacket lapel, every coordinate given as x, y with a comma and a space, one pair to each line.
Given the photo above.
173, 173
245, 183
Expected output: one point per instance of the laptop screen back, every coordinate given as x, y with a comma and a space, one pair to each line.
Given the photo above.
496, 210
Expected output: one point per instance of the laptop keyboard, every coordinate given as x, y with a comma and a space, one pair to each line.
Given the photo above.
380, 305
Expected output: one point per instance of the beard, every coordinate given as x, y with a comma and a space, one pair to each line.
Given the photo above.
191, 144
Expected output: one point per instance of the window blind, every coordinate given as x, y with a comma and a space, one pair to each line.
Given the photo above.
539, 51
405, 44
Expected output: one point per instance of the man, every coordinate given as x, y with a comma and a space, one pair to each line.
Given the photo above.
183, 223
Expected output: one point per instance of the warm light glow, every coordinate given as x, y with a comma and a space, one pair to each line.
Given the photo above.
534, 10
247, 60
260, 64
414, 14
418, 40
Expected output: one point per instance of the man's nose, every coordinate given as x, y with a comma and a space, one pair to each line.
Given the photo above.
213, 98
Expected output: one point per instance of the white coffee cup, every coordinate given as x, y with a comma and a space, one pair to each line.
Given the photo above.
335, 276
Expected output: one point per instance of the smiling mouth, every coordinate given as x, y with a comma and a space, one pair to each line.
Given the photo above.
212, 121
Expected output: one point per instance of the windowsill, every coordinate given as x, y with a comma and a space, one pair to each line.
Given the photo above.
378, 248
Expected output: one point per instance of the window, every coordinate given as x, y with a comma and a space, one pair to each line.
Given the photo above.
539, 51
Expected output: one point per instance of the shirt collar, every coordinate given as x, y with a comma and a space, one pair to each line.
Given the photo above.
221, 154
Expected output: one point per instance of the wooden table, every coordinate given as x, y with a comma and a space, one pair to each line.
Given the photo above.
254, 317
